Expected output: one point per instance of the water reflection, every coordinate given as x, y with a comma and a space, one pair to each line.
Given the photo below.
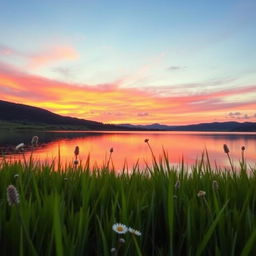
130, 146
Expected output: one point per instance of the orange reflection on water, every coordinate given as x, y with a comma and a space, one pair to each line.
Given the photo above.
129, 147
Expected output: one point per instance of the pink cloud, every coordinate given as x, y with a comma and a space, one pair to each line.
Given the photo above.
52, 55
112, 103
45, 57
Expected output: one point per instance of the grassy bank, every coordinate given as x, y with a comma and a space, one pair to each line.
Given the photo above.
72, 212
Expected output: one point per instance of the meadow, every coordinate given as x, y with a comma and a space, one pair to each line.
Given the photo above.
71, 210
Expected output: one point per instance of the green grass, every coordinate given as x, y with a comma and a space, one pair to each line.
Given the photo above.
71, 211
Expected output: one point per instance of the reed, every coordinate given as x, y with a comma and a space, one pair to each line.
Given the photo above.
172, 210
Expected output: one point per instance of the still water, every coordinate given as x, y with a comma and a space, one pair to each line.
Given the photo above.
129, 147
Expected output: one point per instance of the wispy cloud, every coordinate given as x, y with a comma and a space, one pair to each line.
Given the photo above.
174, 68
41, 58
240, 116
53, 55
111, 102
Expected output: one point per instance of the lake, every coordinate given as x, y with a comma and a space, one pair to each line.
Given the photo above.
129, 147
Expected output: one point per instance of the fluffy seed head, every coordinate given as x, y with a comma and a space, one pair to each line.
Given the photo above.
201, 193
243, 148
20, 146
13, 197
16, 176
76, 152
113, 250
76, 162
111, 150
226, 149
146, 140
35, 140
119, 228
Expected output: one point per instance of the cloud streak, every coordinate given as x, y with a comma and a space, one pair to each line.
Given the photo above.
113, 103
53, 55
45, 57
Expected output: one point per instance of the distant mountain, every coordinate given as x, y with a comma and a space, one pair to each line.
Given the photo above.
28, 115
216, 126
13, 114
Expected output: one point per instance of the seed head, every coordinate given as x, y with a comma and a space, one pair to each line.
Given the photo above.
201, 193
76, 162
113, 250
76, 152
226, 149
13, 197
215, 185
146, 140
177, 185
20, 146
111, 150
243, 148
121, 240
35, 140
16, 176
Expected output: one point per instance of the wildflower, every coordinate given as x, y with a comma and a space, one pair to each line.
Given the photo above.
215, 185
146, 140
34, 140
243, 148
16, 176
76, 162
111, 150
226, 149
201, 193
134, 231
120, 228
20, 146
76, 152
113, 250
121, 240
177, 184
13, 197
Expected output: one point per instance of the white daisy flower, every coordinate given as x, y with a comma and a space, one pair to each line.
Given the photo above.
119, 228
134, 231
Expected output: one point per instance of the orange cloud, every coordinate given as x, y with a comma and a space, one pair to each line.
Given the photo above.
112, 103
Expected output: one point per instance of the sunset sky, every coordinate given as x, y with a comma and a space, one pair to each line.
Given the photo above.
140, 62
